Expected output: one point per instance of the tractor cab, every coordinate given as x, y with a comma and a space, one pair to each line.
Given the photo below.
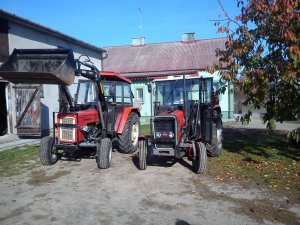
182, 93
116, 88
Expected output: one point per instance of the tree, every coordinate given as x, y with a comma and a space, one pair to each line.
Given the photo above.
262, 55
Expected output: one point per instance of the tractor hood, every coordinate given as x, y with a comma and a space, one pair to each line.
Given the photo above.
40, 66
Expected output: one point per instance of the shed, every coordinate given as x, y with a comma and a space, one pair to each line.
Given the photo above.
21, 33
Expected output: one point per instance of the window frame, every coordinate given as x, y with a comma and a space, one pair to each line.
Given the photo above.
137, 95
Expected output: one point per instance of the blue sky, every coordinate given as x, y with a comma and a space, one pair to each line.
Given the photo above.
115, 22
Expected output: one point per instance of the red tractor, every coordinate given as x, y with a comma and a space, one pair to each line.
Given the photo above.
187, 122
102, 110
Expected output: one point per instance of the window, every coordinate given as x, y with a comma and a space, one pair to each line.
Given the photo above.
109, 92
171, 92
127, 93
123, 93
86, 93
140, 95
217, 93
119, 95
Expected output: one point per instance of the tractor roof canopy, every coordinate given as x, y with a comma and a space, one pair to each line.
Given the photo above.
113, 76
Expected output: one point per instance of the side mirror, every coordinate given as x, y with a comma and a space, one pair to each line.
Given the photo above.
149, 88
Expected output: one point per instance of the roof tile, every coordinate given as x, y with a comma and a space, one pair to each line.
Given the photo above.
162, 57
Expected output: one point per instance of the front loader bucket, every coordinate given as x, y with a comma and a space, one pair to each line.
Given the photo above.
40, 66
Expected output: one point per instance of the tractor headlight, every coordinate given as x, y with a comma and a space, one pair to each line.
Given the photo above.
158, 134
85, 128
171, 134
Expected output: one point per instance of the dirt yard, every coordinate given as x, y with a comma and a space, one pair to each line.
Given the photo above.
166, 193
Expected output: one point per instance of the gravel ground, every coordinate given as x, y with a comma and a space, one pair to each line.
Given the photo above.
167, 192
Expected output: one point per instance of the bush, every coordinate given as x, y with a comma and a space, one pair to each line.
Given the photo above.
294, 136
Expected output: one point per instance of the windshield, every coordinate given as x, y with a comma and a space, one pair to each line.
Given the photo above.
170, 92
86, 93
118, 92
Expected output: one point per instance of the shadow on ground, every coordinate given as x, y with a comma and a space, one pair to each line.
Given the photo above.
259, 142
156, 161
76, 156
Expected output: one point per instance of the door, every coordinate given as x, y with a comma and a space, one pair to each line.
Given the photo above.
28, 113
206, 88
118, 96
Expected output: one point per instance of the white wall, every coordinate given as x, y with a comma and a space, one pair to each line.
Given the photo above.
26, 38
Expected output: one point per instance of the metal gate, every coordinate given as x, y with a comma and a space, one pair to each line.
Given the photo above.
28, 110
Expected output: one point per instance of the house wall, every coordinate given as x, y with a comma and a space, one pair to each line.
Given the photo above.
29, 38
146, 104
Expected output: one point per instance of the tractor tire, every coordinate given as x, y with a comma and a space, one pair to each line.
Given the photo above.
104, 153
200, 161
46, 152
129, 139
142, 154
216, 145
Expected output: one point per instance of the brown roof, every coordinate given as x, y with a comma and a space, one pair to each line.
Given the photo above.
163, 58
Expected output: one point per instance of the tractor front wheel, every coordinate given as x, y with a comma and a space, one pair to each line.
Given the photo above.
104, 153
128, 140
48, 155
142, 154
200, 159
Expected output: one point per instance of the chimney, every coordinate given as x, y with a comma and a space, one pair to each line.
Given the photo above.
138, 41
188, 36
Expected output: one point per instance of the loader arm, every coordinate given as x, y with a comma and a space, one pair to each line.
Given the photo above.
94, 74
53, 66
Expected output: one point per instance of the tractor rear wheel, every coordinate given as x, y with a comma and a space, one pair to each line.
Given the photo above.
142, 155
200, 160
48, 155
216, 145
104, 153
128, 140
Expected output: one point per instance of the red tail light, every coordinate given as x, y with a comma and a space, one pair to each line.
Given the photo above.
216, 101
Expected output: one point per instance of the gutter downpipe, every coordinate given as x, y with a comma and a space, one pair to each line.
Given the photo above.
229, 117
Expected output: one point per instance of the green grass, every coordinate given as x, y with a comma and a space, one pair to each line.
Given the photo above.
294, 121
17, 160
145, 129
255, 155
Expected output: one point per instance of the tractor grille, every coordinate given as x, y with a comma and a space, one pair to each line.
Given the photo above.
163, 126
67, 133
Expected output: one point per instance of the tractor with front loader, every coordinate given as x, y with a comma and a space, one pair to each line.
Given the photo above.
187, 122
101, 111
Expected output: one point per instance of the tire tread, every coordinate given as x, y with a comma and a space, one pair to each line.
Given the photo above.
124, 139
